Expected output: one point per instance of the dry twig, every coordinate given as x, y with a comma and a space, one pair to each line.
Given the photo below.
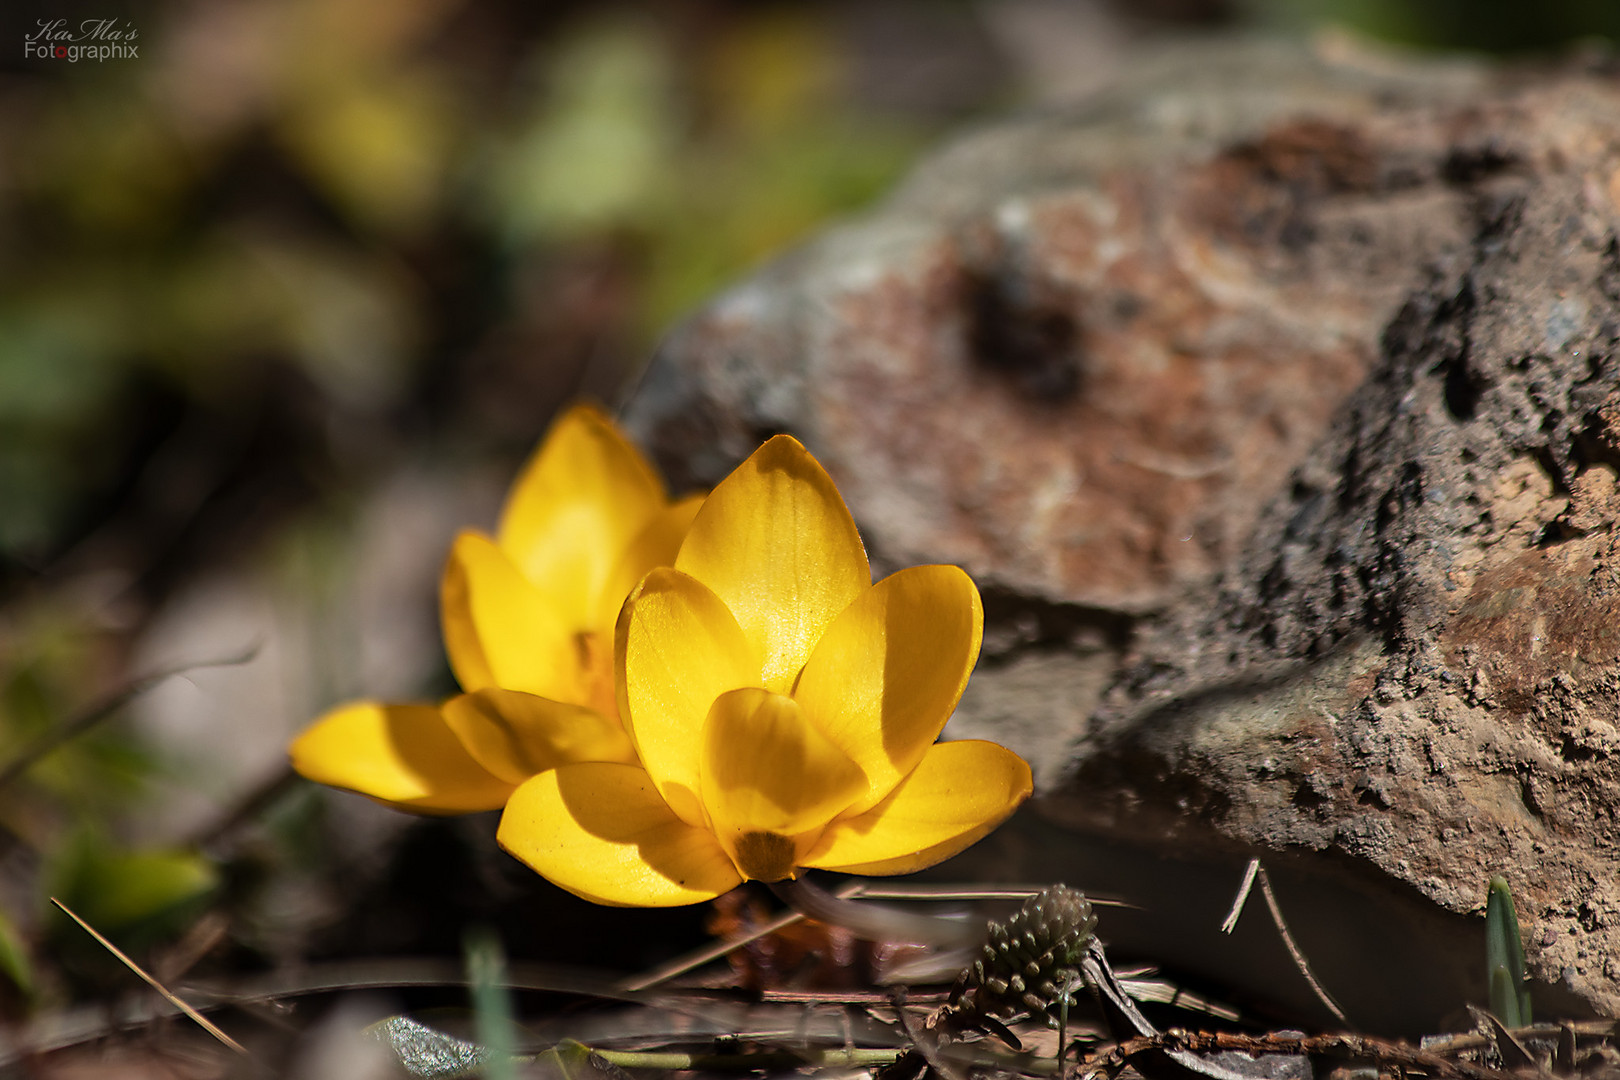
1256, 871
71, 729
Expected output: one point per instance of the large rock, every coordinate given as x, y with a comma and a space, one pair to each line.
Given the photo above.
1269, 398
1076, 353
1415, 661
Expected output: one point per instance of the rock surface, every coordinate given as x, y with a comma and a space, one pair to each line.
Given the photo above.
1272, 399
1416, 660
1077, 353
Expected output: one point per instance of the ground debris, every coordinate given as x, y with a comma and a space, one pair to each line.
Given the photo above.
1568, 1048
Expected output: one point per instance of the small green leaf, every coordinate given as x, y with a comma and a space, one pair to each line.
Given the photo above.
569, 1059
125, 889
134, 897
1504, 957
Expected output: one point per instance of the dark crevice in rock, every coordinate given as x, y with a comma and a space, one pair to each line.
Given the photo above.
1609, 275
1017, 624
1034, 343
1549, 461
1463, 387
1469, 164
1594, 444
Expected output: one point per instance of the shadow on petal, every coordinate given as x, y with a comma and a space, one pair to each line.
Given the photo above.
890, 669
678, 648
602, 832
403, 755
516, 735
501, 629
957, 794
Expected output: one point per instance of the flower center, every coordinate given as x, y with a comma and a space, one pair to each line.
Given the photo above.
595, 653
765, 856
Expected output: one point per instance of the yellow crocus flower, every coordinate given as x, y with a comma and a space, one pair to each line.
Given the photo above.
784, 712
528, 620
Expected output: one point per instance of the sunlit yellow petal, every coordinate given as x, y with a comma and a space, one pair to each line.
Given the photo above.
500, 630
769, 776
957, 794
516, 735
404, 755
655, 546
601, 832
889, 670
581, 500
678, 649
776, 543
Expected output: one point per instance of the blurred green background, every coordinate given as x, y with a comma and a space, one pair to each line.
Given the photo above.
300, 249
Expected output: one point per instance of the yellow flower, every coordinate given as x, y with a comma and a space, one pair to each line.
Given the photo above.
783, 708
528, 624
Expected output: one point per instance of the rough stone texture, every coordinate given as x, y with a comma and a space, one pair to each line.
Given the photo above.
1273, 401
1416, 661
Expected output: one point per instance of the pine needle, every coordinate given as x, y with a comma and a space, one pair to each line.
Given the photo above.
1256, 872
201, 1020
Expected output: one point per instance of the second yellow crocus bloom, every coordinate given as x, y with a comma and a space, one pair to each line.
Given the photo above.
783, 710
528, 620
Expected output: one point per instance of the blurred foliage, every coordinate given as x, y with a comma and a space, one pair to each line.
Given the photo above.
705, 176
491, 1003
50, 652
16, 966
354, 195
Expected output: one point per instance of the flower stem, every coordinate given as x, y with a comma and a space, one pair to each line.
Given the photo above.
876, 922
856, 1057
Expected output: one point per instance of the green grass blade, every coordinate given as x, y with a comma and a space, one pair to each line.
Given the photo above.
492, 1004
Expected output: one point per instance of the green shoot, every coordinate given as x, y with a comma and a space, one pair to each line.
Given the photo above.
492, 1004
1504, 957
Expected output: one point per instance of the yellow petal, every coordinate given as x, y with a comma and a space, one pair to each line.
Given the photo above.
656, 546
516, 735
581, 500
500, 630
601, 832
889, 670
678, 649
776, 543
769, 776
404, 755
957, 794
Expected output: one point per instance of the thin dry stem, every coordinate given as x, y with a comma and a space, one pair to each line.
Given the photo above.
1255, 872
197, 1017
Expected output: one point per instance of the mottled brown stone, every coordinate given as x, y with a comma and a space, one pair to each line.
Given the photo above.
1084, 391
1415, 660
